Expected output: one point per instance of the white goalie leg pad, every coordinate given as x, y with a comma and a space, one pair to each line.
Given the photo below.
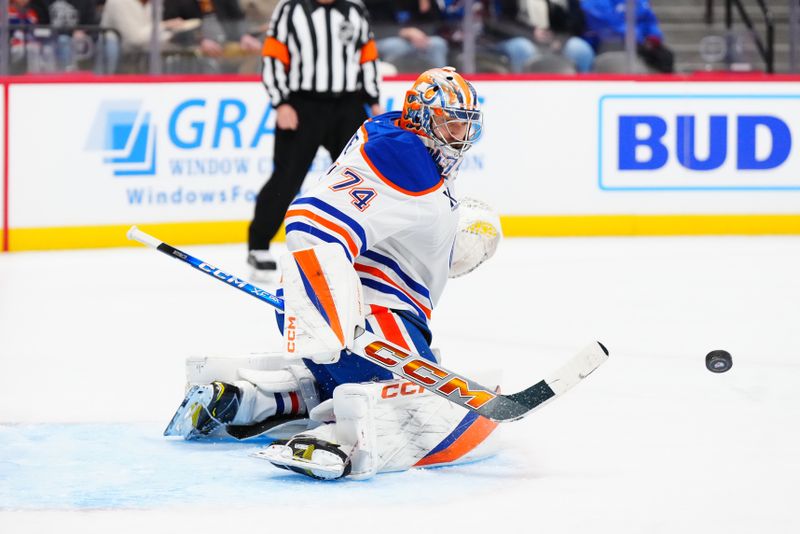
225, 368
477, 237
382, 427
323, 303
396, 425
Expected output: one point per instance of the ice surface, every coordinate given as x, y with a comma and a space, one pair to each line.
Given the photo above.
91, 360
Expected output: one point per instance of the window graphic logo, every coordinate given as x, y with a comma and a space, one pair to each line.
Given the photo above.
126, 138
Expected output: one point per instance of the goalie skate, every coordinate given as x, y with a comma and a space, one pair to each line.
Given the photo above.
205, 409
308, 456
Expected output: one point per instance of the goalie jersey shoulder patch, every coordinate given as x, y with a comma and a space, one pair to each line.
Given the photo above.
398, 157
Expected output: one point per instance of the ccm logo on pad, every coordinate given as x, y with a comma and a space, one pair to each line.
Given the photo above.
406, 388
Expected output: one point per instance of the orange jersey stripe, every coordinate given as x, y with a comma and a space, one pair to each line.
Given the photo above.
308, 263
474, 436
369, 52
388, 323
274, 48
327, 224
374, 309
385, 179
380, 274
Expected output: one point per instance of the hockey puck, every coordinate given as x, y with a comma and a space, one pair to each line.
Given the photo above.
718, 361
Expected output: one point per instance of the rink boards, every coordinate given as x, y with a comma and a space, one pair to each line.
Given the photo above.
185, 157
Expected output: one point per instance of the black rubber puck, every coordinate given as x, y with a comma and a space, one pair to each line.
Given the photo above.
719, 361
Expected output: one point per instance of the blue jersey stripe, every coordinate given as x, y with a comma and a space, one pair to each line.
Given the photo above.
413, 324
330, 210
419, 334
383, 288
316, 232
279, 402
390, 263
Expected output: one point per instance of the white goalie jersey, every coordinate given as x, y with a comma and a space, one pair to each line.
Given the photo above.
394, 215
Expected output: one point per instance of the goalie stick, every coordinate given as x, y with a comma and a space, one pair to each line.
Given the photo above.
406, 364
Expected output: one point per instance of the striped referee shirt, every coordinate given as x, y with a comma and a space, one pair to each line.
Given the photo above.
326, 49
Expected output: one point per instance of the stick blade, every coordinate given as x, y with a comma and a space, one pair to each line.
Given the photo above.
517, 405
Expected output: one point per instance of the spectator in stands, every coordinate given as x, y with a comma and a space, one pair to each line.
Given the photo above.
492, 39
223, 35
405, 33
22, 13
554, 26
605, 21
68, 13
257, 14
24, 50
133, 19
63, 15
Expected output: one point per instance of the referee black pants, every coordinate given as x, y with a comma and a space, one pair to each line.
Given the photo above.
326, 122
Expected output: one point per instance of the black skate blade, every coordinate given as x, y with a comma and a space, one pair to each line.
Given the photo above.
249, 431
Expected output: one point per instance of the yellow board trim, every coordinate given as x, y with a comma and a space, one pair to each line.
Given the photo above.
647, 225
76, 237
194, 233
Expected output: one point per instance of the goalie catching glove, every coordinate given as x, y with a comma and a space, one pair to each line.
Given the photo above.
323, 303
477, 236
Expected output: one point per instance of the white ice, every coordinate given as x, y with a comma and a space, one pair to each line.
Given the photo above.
92, 345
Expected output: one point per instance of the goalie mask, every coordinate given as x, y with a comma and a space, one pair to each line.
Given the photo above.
442, 108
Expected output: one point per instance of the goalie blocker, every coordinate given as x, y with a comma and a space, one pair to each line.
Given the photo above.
322, 303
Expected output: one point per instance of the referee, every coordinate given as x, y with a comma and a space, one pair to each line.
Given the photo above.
320, 68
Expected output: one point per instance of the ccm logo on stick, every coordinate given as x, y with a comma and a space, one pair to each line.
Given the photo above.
424, 372
222, 275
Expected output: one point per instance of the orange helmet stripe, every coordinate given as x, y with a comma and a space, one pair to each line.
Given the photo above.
465, 88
